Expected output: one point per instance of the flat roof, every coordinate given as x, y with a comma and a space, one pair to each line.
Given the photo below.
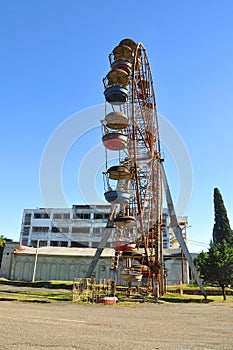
64, 251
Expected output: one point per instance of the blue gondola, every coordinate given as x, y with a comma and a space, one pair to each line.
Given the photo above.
116, 95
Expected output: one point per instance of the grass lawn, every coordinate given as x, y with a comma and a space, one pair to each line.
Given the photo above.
177, 298
56, 294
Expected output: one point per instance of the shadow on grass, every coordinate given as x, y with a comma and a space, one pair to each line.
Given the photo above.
186, 301
26, 300
35, 297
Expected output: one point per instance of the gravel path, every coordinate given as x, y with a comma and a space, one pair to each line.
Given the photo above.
135, 327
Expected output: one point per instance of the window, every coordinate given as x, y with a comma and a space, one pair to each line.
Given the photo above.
66, 216
24, 241
27, 219
84, 216
54, 243
40, 229
43, 243
59, 243
97, 230
60, 229
39, 243
101, 216
63, 244
75, 244
61, 216
57, 216
80, 229
98, 216
26, 231
34, 244
41, 216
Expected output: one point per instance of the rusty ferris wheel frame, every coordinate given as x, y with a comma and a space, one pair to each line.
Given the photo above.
145, 158
141, 155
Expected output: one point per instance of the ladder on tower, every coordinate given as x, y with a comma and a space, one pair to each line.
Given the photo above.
177, 231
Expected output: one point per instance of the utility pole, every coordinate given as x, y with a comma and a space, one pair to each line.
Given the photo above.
184, 224
35, 264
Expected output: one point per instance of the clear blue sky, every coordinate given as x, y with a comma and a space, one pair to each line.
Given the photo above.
54, 54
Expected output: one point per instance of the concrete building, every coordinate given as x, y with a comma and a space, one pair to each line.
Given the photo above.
79, 226
52, 263
67, 243
63, 263
176, 266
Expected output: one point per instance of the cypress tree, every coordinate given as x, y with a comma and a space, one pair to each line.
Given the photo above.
216, 265
222, 230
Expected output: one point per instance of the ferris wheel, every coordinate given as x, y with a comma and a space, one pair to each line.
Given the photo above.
133, 184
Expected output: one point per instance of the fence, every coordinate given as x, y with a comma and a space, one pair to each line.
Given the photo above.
92, 289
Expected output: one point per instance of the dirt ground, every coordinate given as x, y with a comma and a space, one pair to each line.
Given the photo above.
70, 326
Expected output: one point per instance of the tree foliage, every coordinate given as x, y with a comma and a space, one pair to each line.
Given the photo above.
216, 265
222, 230
2, 241
2, 244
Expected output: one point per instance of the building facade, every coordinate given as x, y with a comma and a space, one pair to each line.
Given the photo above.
79, 226
63, 263
52, 263
55, 230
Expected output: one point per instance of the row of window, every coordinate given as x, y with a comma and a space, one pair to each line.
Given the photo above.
55, 229
65, 216
73, 244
